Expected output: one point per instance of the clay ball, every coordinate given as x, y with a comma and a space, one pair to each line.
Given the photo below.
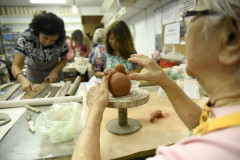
119, 68
119, 84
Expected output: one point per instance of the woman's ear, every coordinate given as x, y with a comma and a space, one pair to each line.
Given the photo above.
231, 43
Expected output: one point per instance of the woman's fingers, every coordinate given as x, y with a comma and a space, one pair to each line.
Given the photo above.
140, 59
32, 87
134, 76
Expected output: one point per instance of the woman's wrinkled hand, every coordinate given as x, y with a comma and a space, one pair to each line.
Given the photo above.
107, 71
98, 96
153, 72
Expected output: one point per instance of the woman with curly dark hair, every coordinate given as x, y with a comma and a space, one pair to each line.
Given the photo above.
45, 47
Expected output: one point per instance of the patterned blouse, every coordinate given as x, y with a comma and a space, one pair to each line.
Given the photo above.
112, 60
97, 58
29, 46
101, 60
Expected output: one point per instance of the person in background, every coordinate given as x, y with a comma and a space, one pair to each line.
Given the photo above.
70, 55
97, 57
43, 44
80, 43
119, 47
213, 58
118, 44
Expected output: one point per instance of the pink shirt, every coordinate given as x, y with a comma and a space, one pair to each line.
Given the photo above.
223, 144
69, 55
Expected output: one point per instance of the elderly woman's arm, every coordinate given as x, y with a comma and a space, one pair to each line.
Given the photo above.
186, 109
88, 144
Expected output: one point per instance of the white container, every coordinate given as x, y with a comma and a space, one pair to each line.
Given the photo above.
81, 60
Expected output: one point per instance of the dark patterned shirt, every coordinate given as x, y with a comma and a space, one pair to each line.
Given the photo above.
29, 46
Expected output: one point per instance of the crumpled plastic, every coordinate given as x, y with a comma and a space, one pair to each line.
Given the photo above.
60, 122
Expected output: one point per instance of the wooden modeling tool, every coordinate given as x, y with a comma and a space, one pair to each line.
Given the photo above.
39, 89
32, 109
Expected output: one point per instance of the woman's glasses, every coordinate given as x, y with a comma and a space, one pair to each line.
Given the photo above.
189, 15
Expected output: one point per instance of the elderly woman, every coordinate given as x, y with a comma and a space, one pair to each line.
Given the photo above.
97, 56
213, 51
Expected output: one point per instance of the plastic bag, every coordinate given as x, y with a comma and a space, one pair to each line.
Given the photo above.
60, 122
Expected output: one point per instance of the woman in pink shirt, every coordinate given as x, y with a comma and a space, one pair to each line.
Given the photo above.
70, 55
213, 58
80, 43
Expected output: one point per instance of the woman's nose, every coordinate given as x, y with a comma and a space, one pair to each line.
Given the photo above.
47, 43
114, 42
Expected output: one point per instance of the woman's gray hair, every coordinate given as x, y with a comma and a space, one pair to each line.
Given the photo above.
98, 36
224, 8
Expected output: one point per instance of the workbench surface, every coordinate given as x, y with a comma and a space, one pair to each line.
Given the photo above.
20, 143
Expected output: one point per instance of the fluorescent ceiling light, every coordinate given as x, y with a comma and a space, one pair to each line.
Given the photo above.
74, 9
48, 1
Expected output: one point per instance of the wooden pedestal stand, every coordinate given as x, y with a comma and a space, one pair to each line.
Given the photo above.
124, 125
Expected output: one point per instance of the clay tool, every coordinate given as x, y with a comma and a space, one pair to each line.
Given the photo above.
76, 83
54, 91
44, 92
64, 89
39, 101
39, 89
32, 109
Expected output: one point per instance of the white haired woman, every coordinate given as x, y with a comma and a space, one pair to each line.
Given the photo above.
97, 56
213, 56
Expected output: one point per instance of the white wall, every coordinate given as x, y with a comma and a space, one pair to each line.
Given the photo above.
144, 28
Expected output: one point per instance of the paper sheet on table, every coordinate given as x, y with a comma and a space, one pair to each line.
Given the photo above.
14, 114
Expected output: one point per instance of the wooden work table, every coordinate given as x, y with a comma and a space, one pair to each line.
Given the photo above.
19, 143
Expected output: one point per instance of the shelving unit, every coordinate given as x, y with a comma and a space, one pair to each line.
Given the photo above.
4, 74
8, 39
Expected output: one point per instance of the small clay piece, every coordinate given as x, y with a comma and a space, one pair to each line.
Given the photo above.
155, 114
119, 68
119, 83
4, 119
